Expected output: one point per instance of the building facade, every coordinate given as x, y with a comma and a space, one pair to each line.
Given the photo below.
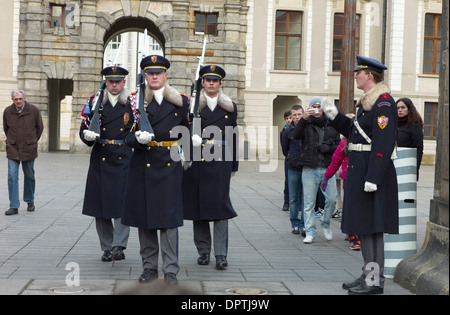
277, 53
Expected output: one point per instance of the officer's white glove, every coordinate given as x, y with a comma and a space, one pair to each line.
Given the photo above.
90, 135
196, 140
370, 187
144, 137
329, 109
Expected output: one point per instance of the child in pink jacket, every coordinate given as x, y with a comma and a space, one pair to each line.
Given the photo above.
340, 158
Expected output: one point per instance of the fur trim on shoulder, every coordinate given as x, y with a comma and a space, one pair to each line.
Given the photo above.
123, 97
369, 98
170, 94
223, 101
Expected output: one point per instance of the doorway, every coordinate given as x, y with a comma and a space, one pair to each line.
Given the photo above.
59, 113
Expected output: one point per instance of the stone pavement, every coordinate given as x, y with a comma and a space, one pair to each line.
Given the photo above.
38, 249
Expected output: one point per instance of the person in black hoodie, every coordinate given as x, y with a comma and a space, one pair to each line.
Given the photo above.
410, 128
319, 141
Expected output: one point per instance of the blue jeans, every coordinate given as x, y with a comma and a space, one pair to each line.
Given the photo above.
311, 179
29, 183
295, 198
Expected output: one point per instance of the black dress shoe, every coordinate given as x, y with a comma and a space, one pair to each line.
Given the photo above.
364, 289
12, 211
285, 206
107, 256
148, 275
170, 278
117, 253
221, 262
203, 259
31, 207
355, 283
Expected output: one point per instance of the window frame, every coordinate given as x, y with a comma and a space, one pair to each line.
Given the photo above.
435, 65
205, 24
341, 36
432, 125
287, 36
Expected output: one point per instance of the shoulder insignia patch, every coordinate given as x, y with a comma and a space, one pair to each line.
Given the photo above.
384, 104
382, 121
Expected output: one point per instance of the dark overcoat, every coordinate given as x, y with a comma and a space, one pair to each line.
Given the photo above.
153, 198
206, 184
22, 131
371, 212
105, 183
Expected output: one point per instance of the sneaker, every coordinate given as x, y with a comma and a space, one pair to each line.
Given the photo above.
296, 230
318, 213
328, 234
308, 239
355, 243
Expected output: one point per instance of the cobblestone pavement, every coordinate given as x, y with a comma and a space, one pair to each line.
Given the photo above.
39, 249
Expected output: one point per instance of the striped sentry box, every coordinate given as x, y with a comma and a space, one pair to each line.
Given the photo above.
399, 246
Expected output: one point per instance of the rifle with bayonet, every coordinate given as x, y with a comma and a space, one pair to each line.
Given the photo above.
94, 124
196, 120
144, 123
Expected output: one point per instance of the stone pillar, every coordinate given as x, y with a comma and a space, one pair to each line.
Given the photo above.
427, 272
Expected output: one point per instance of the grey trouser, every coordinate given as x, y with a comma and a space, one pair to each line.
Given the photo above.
148, 240
112, 235
372, 248
202, 237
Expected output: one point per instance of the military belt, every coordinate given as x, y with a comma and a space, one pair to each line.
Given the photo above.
162, 143
359, 147
114, 141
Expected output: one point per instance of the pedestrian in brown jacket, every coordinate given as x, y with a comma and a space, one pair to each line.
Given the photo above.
22, 123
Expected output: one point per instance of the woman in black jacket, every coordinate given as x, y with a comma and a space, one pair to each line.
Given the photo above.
410, 128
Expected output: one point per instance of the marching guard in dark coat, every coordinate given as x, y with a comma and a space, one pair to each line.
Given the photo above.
371, 193
206, 184
108, 165
153, 197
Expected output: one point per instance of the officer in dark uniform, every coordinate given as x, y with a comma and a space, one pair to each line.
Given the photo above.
153, 197
108, 163
371, 194
206, 184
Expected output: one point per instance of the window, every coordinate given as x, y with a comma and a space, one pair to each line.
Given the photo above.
432, 44
430, 121
62, 15
288, 40
338, 36
206, 23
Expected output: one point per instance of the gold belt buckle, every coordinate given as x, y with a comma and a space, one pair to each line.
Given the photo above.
210, 141
109, 141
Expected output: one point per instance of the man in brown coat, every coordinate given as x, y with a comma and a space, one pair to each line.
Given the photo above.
22, 123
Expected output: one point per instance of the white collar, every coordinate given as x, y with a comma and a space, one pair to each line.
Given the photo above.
211, 102
159, 95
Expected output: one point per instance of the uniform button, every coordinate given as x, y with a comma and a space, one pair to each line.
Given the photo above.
220, 159
103, 159
356, 132
170, 131
168, 148
103, 144
149, 148
121, 129
203, 159
104, 129
120, 158
168, 164
148, 165
176, 114
226, 116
